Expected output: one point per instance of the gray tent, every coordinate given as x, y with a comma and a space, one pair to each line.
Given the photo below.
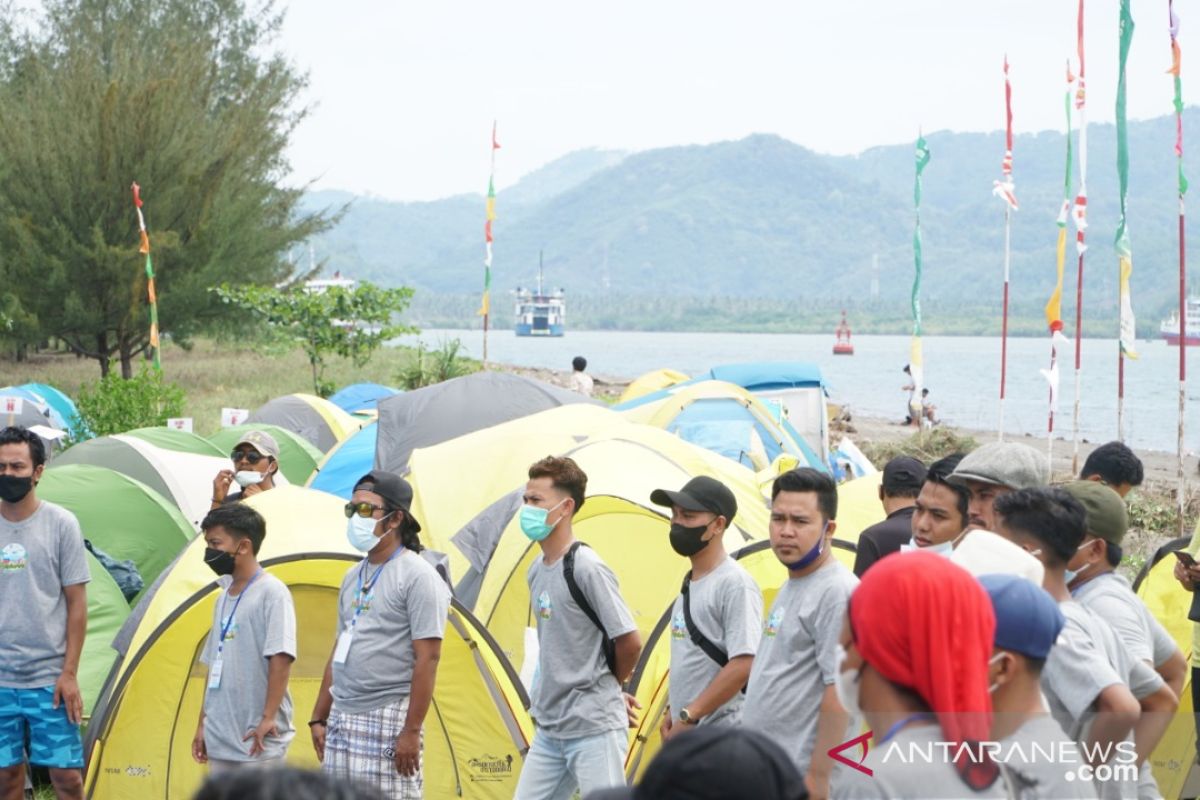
456, 407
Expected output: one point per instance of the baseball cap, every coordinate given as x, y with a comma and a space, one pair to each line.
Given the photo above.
715, 763
701, 493
261, 441
901, 473
1107, 517
1028, 619
392, 488
1017, 466
984, 553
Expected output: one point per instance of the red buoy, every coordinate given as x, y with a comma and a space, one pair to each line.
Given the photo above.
843, 347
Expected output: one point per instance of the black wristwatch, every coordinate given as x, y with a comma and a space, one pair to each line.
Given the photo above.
686, 718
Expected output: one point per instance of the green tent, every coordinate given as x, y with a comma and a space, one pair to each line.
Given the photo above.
122, 516
107, 611
297, 456
179, 441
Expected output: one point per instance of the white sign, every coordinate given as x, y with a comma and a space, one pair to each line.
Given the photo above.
180, 424
11, 405
233, 416
49, 434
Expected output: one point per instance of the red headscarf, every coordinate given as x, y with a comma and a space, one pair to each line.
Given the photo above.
927, 625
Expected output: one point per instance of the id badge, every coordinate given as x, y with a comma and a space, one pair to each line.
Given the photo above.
214, 674
343, 647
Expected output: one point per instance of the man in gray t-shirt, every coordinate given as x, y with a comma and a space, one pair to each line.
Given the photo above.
578, 708
791, 696
715, 620
43, 577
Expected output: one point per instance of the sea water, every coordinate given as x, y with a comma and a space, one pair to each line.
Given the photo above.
961, 372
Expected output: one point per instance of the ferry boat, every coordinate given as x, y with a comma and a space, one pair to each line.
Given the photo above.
540, 313
1170, 325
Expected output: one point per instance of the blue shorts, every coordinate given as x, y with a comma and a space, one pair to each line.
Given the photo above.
53, 739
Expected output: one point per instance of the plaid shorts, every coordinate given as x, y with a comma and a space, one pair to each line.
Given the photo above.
361, 747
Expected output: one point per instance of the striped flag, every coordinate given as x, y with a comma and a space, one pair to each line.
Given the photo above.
485, 306
1054, 304
1121, 242
144, 248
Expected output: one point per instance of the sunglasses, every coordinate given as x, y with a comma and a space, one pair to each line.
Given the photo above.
361, 509
251, 457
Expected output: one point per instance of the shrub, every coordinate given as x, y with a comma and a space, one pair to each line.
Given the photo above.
428, 367
115, 405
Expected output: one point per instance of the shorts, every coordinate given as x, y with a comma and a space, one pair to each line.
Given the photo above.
54, 740
360, 747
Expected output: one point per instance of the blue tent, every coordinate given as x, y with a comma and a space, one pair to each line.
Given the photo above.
346, 463
362, 396
765, 376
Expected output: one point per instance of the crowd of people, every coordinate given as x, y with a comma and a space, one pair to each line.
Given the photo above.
983, 645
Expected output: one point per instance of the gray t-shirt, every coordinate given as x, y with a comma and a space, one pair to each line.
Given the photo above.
1111, 598
726, 606
39, 556
797, 659
258, 623
403, 600
574, 694
1036, 755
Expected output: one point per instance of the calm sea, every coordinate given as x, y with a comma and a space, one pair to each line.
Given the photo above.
962, 373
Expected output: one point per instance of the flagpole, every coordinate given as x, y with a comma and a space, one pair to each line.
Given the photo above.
1054, 304
1080, 236
916, 357
486, 304
1175, 71
1127, 338
1005, 190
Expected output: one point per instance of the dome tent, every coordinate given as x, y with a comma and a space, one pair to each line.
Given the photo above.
362, 397
348, 461
651, 382
316, 419
297, 456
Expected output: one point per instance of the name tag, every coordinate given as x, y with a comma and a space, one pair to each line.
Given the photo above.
214, 674
343, 646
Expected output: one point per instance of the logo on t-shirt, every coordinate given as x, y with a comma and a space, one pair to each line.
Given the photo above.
771, 626
678, 626
231, 630
362, 603
13, 558
544, 607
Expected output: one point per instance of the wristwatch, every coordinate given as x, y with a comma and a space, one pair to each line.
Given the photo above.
686, 718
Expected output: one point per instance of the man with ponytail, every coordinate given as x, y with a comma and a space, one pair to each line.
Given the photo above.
378, 685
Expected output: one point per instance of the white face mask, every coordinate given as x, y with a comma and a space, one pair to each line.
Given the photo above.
249, 477
360, 532
846, 684
1069, 575
943, 549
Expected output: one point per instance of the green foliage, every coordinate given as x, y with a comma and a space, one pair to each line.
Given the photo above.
189, 99
115, 405
428, 367
348, 323
926, 446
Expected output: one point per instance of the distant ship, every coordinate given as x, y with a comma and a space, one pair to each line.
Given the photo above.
1170, 326
540, 313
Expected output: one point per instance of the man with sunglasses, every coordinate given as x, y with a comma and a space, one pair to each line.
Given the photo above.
255, 462
378, 684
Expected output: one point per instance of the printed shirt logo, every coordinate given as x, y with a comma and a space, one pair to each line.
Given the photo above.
362, 603
774, 621
231, 631
13, 558
678, 626
544, 606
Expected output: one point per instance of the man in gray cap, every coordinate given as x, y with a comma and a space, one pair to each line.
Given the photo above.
717, 617
255, 463
995, 469
902, 480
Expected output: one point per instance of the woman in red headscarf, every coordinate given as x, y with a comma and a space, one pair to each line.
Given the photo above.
917, 641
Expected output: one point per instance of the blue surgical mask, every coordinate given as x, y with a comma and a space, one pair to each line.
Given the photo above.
360, 532
1069, 575
533, 521
812, 554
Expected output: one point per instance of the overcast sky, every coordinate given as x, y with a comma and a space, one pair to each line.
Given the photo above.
403, 92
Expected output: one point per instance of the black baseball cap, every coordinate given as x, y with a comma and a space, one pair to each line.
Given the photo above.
716, 763
901, 473
701, 493
392, 488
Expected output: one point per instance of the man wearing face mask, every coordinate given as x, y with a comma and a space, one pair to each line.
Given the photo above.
580, 714
43, 590
255, 464
791, 696
716, 620
378, 684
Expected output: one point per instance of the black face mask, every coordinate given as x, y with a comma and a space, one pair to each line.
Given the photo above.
220, 561
688, 541
13, 489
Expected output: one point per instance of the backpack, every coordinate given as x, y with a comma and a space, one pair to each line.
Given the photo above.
607, 646
699, 639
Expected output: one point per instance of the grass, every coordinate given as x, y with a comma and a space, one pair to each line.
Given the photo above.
926, 446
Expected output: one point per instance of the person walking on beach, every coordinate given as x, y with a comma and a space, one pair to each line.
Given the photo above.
368, 720
43, 589
791, 696
255, 463
588, 645
580, 381
898, 490
716, 619
247, 715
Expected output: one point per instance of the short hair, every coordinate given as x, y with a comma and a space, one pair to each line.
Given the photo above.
1115, 464
1050, 515
1113, 553
282, 783
238, 520
579, 363
942, 469
807, 479
564, 474
18, 434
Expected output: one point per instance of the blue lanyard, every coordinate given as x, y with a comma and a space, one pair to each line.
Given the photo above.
228, 622
364, 588
892, 731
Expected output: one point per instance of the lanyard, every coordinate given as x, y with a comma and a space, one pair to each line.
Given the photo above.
365, 588
228, 623
892, 731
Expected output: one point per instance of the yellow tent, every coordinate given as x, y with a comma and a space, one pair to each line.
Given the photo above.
139, 741
651, 382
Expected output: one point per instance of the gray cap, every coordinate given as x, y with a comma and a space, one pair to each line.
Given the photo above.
261, 441
1017, 466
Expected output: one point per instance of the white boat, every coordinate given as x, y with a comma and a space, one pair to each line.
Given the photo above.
1170, 325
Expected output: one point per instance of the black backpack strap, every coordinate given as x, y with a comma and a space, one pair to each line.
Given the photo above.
699, 639
606, 644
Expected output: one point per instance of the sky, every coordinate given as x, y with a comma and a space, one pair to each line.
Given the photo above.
402, 93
